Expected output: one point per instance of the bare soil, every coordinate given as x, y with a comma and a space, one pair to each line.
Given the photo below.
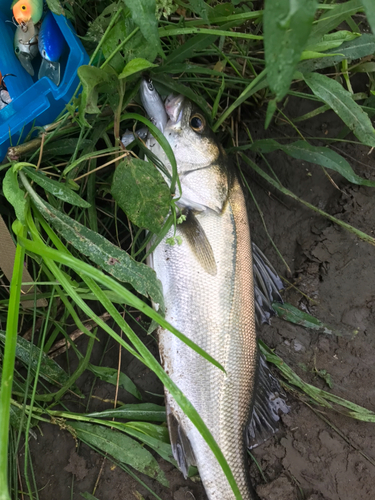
318, 454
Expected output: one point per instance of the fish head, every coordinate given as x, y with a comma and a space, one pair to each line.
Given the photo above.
147, 90
191, 138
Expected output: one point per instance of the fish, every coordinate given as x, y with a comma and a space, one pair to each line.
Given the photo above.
153, 104
28, 10
210, 295
154, 107
26, 45
51, 44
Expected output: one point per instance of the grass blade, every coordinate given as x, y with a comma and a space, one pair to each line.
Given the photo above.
363, 236
8, 364
329, 20
143, 411
302, 150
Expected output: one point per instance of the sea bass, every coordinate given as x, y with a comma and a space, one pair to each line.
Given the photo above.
208, 288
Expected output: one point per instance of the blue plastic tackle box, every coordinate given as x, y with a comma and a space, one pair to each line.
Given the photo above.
34, 101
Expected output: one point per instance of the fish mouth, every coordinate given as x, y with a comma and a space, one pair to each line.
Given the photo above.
173, 107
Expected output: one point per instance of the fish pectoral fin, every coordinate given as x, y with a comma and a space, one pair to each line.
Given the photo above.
198, 241
181, 447
268, 403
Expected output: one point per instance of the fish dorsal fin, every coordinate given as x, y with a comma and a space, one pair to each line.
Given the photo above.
181, 447
267, 285
268, 403
197, 239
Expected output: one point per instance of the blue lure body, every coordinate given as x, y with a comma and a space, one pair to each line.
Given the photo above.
51, 41
51, 44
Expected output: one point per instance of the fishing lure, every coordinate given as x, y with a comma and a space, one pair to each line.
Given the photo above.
26, 46
51, 43
26, 10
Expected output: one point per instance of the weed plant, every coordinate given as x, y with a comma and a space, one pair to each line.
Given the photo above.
61, 200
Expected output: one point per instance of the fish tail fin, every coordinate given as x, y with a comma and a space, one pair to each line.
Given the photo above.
269, 402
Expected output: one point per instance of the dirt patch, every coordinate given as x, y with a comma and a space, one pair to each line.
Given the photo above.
318, 454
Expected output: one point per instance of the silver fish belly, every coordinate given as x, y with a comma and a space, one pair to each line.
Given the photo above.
216, 312
212, 303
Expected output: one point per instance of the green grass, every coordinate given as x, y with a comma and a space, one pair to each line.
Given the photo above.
232, 58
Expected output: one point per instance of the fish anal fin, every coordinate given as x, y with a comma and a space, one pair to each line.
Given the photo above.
196, 237
269, 402
182, 450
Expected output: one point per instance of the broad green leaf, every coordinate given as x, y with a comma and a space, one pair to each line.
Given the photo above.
98, 26
330, 19
201, 8
325, 157
293, 315
14, 194
135, 66
143, 15
156, 431
366, 67
109, 375
143, 411
287, 26
55, 7
356, 49
188, 49
136, 46
29, 355
58, 189
95, 80
142, 193
121, 447
342, 103
309, 54
333, 40
369, 6
161, 447
106, 255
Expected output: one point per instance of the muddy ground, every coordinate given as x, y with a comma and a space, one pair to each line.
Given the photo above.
308, 459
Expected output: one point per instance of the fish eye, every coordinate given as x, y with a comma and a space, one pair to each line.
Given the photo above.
150, 86
23, 7
44, 54
197, 123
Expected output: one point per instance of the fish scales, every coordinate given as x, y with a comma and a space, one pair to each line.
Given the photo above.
216, 312
214, 309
